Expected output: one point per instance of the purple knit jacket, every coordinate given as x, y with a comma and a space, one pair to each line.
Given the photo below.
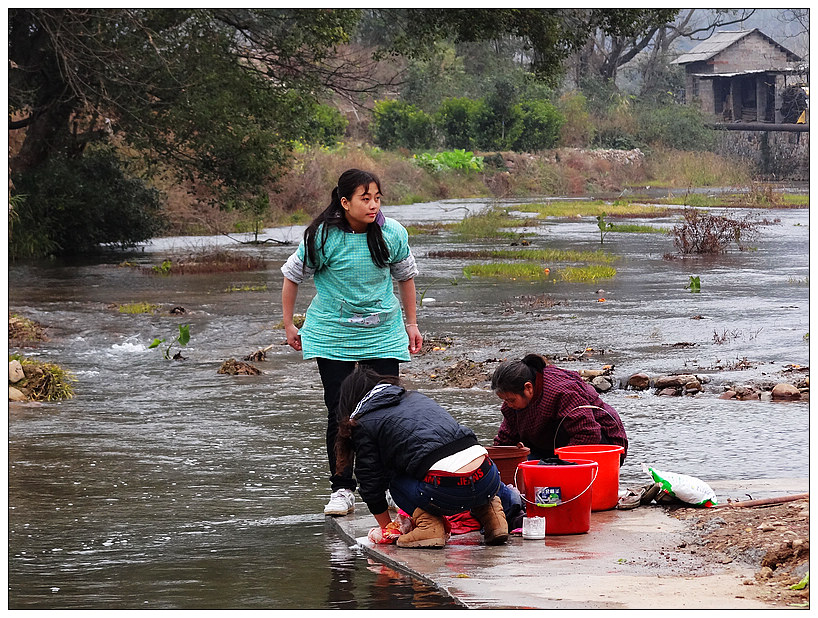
565, 410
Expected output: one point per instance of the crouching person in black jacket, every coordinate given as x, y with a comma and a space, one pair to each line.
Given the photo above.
433, 466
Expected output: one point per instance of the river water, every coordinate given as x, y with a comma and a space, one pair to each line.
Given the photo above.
163, 484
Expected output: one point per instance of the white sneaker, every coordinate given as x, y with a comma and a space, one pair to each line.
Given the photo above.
341, 502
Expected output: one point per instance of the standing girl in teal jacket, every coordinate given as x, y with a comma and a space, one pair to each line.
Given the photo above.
353, 253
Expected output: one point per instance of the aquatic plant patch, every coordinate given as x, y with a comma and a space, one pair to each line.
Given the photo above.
487, 224
793, 200
766, 197
587, 273
247, 288
635, 228
542, 255
182, 339
696, 200
595, 208
506, 271
421, 229
135, 308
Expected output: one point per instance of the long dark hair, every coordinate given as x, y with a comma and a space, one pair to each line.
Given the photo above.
354, 388
333, 216
511, 376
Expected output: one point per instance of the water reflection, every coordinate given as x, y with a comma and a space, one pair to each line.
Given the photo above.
362, 583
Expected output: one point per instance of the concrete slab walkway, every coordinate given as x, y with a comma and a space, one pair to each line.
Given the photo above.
628, 559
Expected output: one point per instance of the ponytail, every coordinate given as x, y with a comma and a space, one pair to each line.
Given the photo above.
511, 376
353, 389
333, 216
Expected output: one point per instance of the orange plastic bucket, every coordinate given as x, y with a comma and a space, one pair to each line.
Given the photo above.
559, 493
507, 458
605, 493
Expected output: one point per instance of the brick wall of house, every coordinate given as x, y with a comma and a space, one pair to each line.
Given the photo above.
749, 53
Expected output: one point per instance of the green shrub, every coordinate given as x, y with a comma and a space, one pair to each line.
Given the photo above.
325, 127
681, 127
457, 159
458, 120
539, 126
73, 206
397, 124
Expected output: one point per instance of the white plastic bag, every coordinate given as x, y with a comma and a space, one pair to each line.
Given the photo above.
686, 488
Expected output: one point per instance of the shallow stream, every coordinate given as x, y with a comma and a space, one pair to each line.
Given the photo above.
165, 485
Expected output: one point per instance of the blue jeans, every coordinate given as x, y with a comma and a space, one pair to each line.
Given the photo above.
410, 494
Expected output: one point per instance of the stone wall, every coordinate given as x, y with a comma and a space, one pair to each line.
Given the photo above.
774, 155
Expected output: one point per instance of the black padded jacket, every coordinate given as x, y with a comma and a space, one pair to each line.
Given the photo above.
400, 432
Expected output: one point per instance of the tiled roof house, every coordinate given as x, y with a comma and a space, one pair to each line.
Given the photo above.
744, 76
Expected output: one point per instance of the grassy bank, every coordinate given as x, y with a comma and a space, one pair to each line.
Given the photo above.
305, 189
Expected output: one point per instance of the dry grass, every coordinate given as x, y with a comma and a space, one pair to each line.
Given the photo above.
205, 262
674, 168
24, 331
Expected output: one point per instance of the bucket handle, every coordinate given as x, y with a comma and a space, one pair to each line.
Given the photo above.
561, 502
557, 430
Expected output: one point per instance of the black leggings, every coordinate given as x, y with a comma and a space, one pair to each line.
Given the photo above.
333, 373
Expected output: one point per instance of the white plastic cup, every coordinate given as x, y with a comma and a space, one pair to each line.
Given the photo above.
533, 527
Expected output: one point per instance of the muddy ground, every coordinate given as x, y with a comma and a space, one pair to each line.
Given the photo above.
773, 539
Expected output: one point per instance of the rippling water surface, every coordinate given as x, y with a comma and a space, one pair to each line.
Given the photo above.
165, 485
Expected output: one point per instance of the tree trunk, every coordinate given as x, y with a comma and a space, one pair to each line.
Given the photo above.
46, 134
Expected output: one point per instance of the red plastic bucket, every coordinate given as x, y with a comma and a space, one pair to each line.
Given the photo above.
507, 458
559, 493
605, 493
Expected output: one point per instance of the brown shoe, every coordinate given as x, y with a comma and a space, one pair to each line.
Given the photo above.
493, 520
429, 531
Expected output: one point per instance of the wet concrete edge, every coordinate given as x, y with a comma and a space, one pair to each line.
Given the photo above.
361, 521
345, 528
